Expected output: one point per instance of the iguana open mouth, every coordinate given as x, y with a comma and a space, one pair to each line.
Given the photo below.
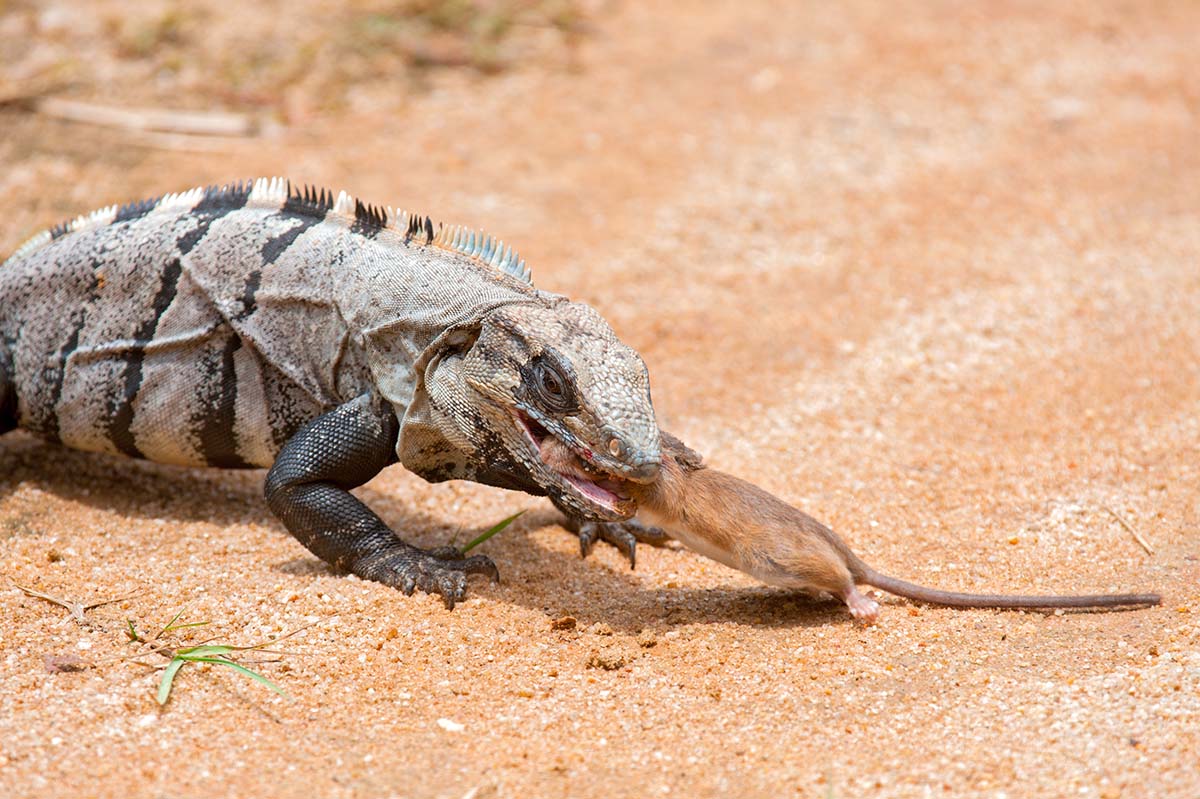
591, 484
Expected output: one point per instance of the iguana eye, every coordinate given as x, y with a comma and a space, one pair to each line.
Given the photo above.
549, 386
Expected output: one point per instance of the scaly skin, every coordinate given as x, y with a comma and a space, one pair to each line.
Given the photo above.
256, 325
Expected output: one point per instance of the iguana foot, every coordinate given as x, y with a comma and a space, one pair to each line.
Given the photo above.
441, 571
622, 535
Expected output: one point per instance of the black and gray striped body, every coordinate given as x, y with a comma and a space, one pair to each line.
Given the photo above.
206, 328
146, 336
257, 326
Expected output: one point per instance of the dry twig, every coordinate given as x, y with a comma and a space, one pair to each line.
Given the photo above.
76, 609
1128, 528
195, 123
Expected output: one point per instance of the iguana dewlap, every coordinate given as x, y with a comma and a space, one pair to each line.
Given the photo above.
256, 325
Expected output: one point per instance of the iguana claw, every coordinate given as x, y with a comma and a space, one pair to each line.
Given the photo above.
625, 536
442, 571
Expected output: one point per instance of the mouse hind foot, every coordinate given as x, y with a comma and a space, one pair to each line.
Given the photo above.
861, 606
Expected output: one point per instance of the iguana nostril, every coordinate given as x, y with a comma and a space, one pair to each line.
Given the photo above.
645, 473
614, 447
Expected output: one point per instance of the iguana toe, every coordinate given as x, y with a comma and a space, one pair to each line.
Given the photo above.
625, 536
442, 571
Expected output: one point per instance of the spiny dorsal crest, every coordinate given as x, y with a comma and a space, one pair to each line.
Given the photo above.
167, 203
476, 245
279, 193
484, 248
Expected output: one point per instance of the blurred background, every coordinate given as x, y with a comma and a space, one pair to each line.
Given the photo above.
285, 62
848, 155
930, 271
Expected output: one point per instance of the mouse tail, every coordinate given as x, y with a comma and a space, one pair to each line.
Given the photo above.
954, 599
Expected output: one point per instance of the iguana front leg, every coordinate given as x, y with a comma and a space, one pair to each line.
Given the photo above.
308, 488
625, 536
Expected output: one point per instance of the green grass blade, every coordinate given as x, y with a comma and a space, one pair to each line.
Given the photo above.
491, 531
195, 652
254, 675
188, 624
174, 619
164, 685
171, 625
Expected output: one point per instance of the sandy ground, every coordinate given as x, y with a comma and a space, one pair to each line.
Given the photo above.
932, 275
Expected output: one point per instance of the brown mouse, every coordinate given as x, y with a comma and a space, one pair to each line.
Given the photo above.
739, 524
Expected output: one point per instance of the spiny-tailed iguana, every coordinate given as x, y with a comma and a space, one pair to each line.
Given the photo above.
259, 325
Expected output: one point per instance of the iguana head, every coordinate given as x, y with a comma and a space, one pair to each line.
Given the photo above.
555, 373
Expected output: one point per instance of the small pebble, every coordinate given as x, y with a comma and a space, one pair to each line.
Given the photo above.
610, 658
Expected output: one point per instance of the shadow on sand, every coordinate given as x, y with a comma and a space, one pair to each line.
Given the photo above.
533, 575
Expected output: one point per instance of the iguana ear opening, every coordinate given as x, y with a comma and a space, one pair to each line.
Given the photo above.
458, 340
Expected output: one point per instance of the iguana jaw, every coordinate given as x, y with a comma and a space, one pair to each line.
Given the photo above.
603, 493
